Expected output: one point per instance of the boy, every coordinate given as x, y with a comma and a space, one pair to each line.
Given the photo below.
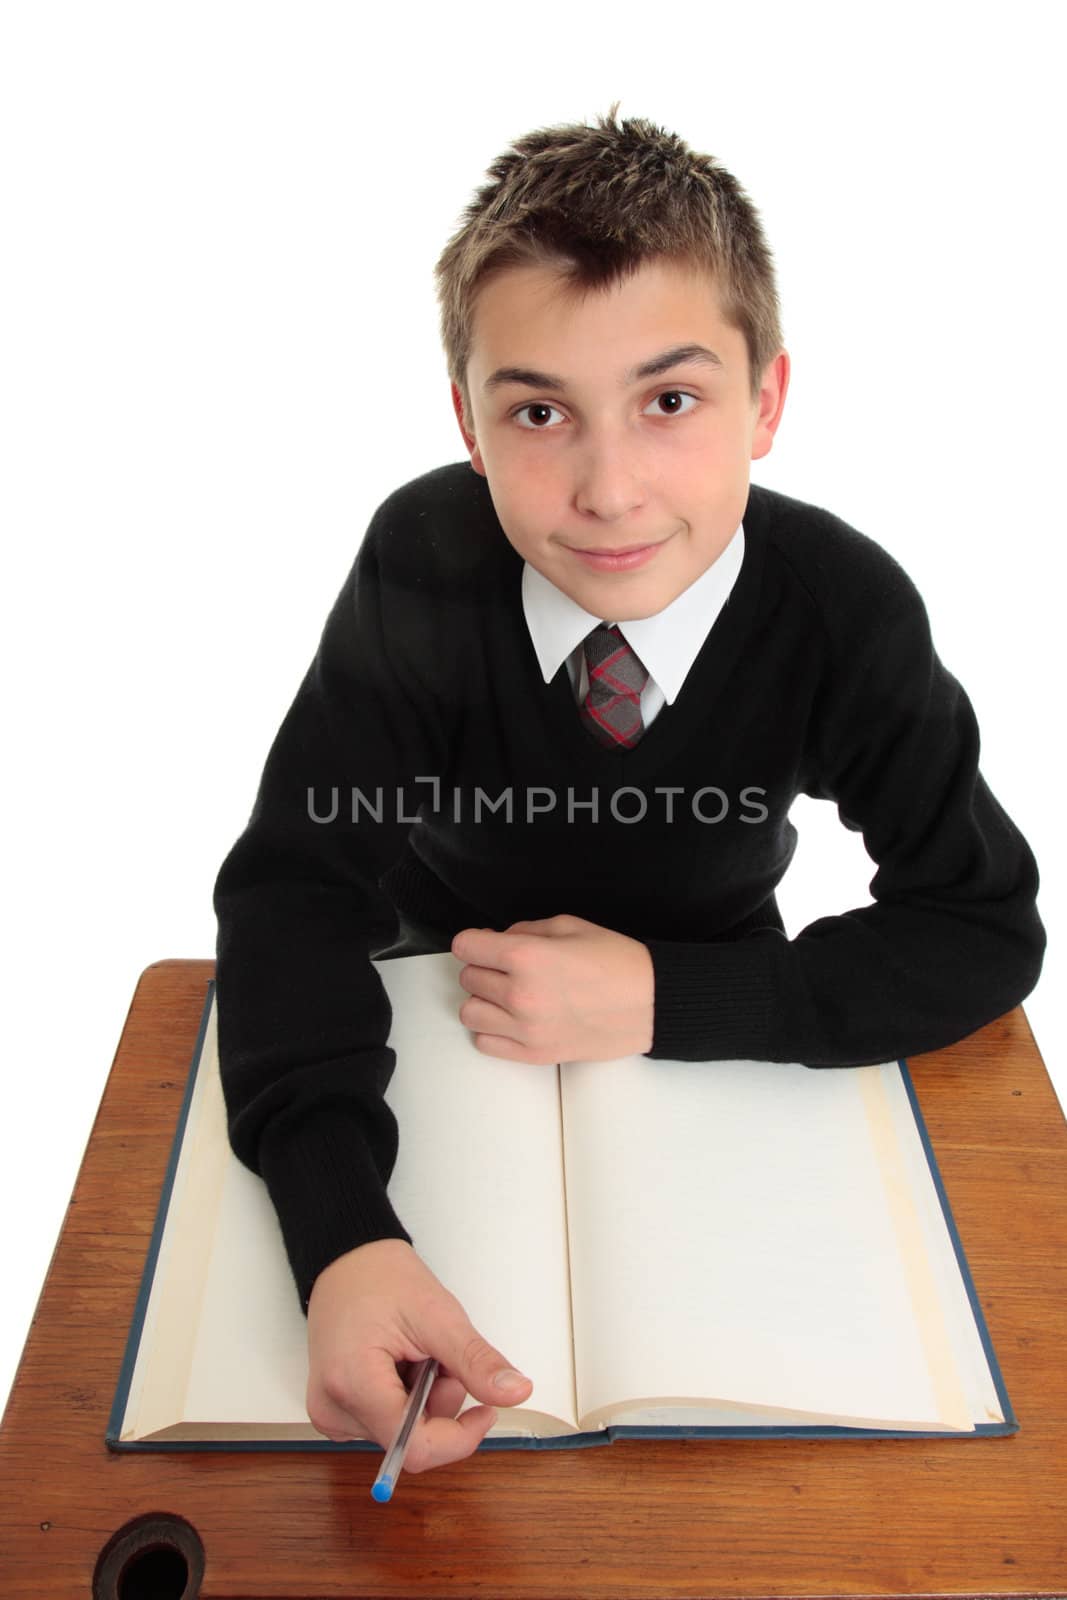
599, 667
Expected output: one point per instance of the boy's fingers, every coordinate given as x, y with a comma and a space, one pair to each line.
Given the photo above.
446, 1397
476, 1363
371, 1408
375, 1411
438, 1440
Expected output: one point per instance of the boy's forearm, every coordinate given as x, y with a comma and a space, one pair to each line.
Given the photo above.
328, 1186
303, 1022
864, 987
953, 939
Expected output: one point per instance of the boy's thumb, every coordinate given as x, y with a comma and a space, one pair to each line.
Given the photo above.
485, 1373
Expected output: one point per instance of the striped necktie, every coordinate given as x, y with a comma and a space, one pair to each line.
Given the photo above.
612, 708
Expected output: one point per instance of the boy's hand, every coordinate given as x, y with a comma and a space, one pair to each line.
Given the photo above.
378, 1307
559, 989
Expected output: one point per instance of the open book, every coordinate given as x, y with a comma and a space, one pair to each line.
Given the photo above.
666, 1248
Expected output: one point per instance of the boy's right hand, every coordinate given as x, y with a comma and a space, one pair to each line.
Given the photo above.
378, 1307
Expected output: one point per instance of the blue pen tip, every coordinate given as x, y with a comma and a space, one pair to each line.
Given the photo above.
383, 1490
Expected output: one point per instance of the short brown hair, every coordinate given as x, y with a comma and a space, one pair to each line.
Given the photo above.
596, 202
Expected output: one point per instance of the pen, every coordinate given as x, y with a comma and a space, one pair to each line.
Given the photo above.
393, 1460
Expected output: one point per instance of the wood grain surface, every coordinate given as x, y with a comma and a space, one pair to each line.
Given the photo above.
826, 1517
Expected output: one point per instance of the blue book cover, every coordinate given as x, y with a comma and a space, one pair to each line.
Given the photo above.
669, 1249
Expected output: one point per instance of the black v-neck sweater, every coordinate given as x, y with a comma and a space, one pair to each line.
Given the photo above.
425, 698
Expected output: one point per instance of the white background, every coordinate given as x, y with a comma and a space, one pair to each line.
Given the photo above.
219, 352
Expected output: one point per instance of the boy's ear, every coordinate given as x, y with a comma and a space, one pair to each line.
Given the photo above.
468, 437
771, 402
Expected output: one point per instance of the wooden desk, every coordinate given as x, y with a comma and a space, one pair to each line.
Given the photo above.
824, 1517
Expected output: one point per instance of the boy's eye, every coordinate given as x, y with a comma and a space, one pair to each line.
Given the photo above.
674, 394
542, 406
533, 405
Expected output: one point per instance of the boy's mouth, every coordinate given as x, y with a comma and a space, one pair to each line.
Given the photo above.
621, 560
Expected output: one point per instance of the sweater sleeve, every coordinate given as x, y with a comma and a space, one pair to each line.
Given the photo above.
953, 939
303, 1016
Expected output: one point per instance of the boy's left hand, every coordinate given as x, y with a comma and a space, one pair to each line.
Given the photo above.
558, 989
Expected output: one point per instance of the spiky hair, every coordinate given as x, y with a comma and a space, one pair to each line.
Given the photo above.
597, 202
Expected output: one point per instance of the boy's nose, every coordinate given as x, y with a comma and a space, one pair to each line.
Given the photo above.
608, 485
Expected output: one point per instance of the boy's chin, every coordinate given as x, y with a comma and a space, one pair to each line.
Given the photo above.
612, 601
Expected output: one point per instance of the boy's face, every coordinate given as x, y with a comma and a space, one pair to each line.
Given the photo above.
584, 454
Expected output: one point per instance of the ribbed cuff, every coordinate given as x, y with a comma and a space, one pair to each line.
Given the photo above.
327, 1191
715, 1001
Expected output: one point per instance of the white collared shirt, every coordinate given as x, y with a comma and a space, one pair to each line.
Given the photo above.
667, 644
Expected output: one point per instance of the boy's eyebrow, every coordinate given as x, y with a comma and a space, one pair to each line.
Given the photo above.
530, 378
